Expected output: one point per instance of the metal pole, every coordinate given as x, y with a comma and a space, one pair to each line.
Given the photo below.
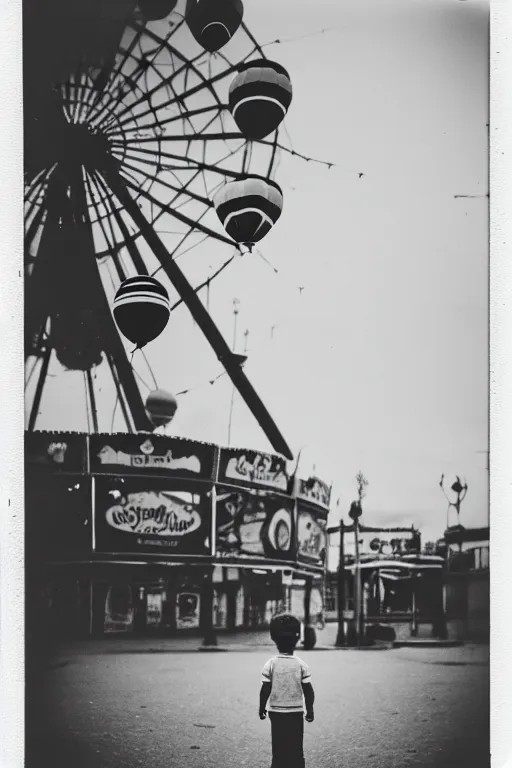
307, 602
207, 597
235, 313
340, 639
357, 585
439, 625
120, 394
92, 399
309, 632
40, 386
414, 623
213, 534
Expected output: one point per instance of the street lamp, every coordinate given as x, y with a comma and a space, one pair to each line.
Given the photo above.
460, 490
340, 638
355, 513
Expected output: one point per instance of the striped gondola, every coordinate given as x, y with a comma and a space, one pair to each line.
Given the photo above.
259, 97
248, 209
141, 309
155, 10
213, 22
161, 407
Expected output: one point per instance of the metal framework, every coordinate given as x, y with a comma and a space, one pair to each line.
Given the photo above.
122, 185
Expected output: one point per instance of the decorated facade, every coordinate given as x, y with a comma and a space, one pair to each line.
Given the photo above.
146, 533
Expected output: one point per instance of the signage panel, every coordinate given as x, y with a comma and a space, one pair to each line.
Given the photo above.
314, 491
373, 545
311, 535
253, 469
151, 455
254, 523
137, 515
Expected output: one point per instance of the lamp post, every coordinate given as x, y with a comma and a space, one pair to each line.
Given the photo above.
414, 622
206, 616
309, 631
358, 586
355, 513
340, 638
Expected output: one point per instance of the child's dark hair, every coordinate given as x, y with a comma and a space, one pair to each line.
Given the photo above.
285, 632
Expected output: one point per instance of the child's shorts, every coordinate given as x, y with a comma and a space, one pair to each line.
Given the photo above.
287, 739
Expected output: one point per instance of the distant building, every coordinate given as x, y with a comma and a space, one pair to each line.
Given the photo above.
467, 582
473, 542
402, 586
420, 591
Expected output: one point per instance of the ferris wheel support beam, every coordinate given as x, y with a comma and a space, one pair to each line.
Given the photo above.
38, 292
110, 335
40, 298
120, 393
34, 226
43, 373
92, 400
201, 316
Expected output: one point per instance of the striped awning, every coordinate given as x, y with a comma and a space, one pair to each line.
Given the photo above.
406, 565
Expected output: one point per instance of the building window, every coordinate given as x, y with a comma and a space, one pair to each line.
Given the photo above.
481, 558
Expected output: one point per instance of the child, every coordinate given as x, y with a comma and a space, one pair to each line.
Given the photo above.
286, 679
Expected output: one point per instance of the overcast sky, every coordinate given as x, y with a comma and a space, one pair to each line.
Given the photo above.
380, 362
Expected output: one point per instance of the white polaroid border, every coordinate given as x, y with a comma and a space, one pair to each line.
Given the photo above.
11, 389
501, 380
11, 384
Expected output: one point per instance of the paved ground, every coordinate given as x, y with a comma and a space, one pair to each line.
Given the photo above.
402, 708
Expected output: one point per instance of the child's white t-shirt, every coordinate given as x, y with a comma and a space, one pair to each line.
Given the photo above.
286, 674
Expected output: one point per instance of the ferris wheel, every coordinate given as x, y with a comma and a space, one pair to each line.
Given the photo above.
170, 141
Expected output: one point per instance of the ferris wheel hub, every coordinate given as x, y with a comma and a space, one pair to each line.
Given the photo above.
84, 144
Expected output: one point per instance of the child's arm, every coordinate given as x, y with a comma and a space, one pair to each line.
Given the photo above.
309, 698
264, 694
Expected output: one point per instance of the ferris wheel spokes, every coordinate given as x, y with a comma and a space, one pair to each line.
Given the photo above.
132, 249
225, 355
136, 156
68, 224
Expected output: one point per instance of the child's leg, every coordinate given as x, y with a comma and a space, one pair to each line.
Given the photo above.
277, 740
297, 738
287, 740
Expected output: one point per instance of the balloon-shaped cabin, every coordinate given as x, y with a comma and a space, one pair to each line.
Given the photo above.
249, 208
213, 22
259, 97
154, 10
141, 309
161, 407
